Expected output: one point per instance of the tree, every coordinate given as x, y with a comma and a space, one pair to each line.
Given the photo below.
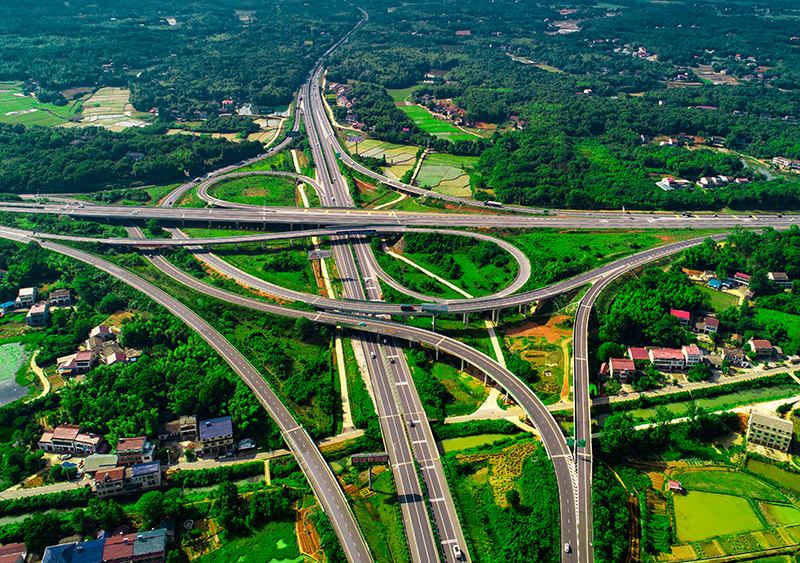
698, 372
513, 498
154, 227
108, 514
618, 437
305, 329
609, 350
151, 508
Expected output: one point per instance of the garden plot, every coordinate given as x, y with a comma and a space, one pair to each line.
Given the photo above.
700, 515
18, 107
401, 158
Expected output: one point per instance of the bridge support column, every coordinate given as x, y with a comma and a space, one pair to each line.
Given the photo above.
466, 320
505, 397
521, 309
437, 354
183, 222
237, 224
236, 246
462, 364
209, 224
484, 378
434, 324
496, 316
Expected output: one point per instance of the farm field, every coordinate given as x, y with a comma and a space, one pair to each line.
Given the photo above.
399, 158
790, 322
12, 358
731, 482
275, 543
718, 300
257, 190
109, 107
701, 515
446, 174
436, 127
17, 107
784, 478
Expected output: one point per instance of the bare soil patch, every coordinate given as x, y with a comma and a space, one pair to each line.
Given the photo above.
548, 331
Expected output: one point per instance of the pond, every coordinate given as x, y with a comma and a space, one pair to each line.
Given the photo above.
12, 357
456, 444
758, 167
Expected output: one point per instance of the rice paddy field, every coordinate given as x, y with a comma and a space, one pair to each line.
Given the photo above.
275, 543
400, 158
701, 515
446, 174
12, 358
18, 107
436, 127
110, 108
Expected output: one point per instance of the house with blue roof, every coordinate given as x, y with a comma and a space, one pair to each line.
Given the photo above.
59, 553
89, 552
216, 436
714, 283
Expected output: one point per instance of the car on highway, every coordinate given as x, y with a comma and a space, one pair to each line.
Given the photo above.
457, 552
362, 324
373, 355
567, 548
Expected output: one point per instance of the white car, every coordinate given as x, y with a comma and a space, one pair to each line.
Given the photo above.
567, 548
66, 456
373, 355
457, 552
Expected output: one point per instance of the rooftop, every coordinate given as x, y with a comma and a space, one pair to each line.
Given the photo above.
60, 292
119, 548
773, 422
89, 552
622, 363
742, 276
761, 344
216, 428
25, 291
711, 321
96, 462
113, 474
38, 309
692, 350
666, 354
66, 432
84, 356
145, 468
13, 549
637, 354
778, 276
146, 543
131, 444
680, 314
59, 553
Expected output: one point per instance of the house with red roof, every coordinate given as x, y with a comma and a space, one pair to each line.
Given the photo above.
762, 348
683, 316
742, 279
692, 355
639, 354
621, 368
667, 359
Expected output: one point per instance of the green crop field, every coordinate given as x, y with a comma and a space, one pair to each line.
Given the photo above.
729, 482
257, 190
782, 515
446, 174
380, 521
436, 127
784, 478
700, 515
790, 322
16, 107
718, 300
275, 543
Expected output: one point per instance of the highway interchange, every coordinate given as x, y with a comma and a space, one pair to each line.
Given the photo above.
415, 461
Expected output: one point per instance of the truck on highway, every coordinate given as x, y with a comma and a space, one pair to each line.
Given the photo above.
406, 307
493, 204
434, 308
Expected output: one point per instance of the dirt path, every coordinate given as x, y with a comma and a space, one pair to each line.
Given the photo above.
418, 166
398, 200
565, 387
40, 374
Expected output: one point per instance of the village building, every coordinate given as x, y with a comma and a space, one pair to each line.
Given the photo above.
70, 439
683, 316
38, 315
60, 297
26, 297
780, 279
621, 369
667, 359
216, 436
692, 355
734, 356
762, 348
769, 431
132, 451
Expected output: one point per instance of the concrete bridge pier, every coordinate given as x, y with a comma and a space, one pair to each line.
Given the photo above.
236, 246
237, 224
496, 316
437, 355
434, 324
462, 364
466, 320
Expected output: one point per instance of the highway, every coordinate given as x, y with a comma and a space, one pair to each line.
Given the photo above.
314, 466
361, 218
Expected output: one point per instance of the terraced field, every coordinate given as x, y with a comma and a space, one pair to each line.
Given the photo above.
436, 127
446, 174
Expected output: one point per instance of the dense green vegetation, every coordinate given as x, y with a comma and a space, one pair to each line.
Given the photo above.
210, 52
84, 160
611, 516
526, 528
